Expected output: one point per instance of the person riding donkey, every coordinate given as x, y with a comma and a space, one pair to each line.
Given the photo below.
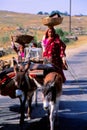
54, 55
54, 48
19, 50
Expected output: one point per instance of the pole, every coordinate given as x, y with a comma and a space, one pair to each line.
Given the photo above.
70, 18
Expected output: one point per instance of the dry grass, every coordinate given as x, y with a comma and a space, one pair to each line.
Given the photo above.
8, 57
80, 42
77, 46
9, 22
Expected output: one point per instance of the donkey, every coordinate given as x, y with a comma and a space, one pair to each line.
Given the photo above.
52, 90
25, 88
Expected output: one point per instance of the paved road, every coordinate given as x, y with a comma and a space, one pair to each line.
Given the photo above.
73, 106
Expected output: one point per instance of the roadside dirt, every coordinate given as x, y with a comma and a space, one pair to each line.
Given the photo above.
76, 47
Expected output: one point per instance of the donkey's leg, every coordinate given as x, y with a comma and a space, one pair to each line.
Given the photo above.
35, 97
52, 117
22, 109
57, 109
29, 110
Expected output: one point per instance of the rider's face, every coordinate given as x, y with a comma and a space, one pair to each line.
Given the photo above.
50, 33
21, 49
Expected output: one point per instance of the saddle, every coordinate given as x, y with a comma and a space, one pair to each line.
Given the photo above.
39, 71
7, 87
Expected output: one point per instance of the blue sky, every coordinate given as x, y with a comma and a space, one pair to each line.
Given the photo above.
34, 6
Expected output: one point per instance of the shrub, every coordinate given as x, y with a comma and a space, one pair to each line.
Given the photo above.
62, 35
4, 39
60, 32
64, 39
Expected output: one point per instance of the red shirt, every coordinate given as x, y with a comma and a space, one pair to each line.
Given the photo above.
55, 49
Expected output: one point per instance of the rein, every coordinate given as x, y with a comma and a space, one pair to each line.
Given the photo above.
73, 74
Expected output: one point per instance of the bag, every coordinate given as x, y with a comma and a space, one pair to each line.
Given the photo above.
22, 39
52, 21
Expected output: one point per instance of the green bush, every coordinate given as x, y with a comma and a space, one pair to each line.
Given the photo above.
4, 39
65, 40
60, 32
62, 35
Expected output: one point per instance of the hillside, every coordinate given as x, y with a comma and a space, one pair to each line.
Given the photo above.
15, 23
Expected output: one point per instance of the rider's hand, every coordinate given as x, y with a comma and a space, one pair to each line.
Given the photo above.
12, 41
12, 38
65, 66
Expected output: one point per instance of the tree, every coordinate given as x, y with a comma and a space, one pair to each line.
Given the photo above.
40, 13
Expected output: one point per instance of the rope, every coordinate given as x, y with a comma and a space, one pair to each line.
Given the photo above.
73, 74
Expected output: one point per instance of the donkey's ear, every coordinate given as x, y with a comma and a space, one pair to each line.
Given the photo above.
52, 84
27, 66
14, 61
15, 65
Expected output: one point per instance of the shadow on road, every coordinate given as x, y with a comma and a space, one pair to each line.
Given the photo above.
64, 124
81, 87
72, 113
76, 82
71, 117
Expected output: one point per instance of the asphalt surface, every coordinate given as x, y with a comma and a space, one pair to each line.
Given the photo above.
72, 114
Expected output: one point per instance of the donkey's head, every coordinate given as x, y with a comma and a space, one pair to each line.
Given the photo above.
49, 92
51, 89
21, 75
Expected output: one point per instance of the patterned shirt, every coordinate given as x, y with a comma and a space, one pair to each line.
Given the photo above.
55, 50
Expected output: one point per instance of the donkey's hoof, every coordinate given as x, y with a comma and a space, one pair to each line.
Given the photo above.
29, 118
21, 122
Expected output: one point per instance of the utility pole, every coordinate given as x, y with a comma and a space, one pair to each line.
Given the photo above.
70, 17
